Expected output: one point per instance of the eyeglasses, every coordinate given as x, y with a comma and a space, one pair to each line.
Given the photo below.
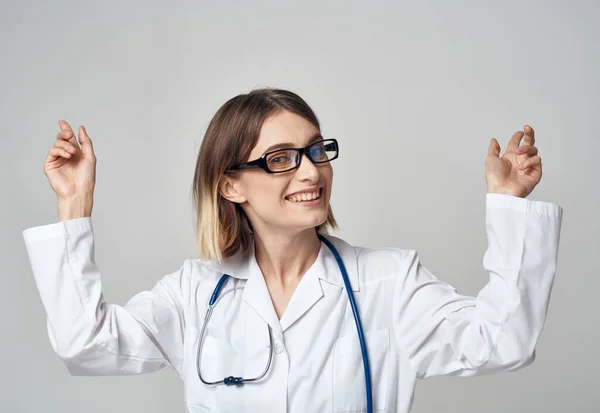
287, 159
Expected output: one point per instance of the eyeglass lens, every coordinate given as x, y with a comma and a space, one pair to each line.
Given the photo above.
283, 160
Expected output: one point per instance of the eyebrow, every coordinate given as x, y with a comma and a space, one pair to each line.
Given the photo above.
286, 145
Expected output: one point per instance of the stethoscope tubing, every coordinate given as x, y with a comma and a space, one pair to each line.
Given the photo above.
238, 381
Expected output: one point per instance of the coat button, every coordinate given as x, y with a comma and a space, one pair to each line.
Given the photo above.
279, 347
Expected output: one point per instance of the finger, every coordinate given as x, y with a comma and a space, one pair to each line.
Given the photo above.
86, 143
529, 135
66, 133
64, 125
527, 150
66, 146
513, 144
531, 162
494, 148
55, 153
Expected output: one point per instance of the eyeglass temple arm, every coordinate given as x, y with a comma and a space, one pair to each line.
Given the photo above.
249, 165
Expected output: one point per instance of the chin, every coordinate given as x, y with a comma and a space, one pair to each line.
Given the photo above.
302, 218
316, 221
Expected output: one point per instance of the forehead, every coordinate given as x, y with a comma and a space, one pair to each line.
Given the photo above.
284, 127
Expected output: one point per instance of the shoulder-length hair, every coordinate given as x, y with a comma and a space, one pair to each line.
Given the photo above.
222, 228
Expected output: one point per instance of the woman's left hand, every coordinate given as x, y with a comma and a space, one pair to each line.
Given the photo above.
519, 170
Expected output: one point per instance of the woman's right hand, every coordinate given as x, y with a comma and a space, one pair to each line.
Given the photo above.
71, 167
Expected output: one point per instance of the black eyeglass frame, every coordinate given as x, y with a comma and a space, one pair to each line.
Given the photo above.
262, 161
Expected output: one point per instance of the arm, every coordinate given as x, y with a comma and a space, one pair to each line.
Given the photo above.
442, 332
91, 336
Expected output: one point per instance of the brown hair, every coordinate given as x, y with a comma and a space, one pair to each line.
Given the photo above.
222, 228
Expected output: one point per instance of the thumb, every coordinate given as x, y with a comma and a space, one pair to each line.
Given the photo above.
86, 143
494, 148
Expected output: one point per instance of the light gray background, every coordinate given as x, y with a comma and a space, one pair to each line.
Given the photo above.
417, 88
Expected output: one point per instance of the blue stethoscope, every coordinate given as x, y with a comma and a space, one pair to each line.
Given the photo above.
238, 381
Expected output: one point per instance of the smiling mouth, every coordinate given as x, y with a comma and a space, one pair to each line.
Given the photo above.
305, 197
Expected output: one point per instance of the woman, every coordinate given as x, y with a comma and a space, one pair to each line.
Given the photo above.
284, 318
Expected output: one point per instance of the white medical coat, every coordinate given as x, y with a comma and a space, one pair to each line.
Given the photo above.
415, 325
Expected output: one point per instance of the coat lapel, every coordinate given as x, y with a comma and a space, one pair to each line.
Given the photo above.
309, 290
243, 265
307, 293
331, 271
257, 296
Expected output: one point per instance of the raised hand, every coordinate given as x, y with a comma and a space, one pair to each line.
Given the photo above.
70, 167
519, 169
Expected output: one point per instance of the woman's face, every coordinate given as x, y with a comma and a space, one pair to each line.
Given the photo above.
275, 201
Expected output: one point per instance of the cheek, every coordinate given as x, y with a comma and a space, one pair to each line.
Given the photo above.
261, 190
327, 176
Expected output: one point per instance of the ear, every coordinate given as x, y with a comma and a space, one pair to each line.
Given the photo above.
229, 188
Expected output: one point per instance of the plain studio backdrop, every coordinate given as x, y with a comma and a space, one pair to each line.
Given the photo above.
412, 91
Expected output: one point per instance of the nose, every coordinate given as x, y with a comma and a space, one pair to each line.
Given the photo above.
307, 170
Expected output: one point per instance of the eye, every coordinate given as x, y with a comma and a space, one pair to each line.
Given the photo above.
279, 159
316, 151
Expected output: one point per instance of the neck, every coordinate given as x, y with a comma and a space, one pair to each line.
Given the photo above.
284, 258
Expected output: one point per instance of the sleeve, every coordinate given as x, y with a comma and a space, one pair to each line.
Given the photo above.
91, 336
445, 333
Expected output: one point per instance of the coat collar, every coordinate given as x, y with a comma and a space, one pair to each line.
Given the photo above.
243, 264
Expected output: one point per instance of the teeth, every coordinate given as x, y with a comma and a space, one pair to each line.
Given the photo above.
306, 196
